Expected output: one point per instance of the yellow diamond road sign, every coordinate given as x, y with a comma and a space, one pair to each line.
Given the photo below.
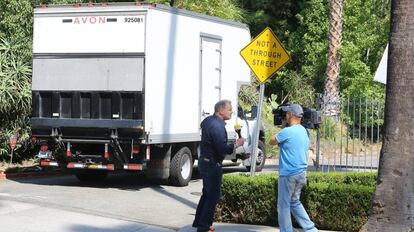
265, 55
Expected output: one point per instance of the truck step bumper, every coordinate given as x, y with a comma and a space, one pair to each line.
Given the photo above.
90, 166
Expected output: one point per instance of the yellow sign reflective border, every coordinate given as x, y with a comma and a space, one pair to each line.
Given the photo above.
265, 55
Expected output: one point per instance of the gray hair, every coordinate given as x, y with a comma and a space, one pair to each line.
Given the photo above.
221, 104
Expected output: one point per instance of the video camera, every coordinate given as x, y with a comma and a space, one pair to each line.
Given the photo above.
311, 118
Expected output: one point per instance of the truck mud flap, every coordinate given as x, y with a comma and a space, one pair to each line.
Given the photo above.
159, 165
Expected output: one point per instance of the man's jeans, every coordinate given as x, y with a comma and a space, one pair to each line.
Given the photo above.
211, 173
288, 201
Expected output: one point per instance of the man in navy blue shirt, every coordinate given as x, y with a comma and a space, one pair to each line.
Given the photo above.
213, 148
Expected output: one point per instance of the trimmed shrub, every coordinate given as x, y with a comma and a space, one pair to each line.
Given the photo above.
342, 207
334, 201
248, 200
359, 178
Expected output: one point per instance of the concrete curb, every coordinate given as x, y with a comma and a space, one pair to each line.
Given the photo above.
2, 176
21, 175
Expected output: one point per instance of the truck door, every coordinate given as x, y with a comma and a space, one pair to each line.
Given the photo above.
210, 72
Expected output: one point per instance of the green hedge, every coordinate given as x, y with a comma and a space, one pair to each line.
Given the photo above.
359, 178
334, 201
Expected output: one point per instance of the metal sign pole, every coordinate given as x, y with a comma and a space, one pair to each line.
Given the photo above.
318, 143
265, 43
11, 156
255, 141
12, 143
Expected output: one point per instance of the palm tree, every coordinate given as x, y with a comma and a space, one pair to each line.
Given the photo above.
393, 201
331, 95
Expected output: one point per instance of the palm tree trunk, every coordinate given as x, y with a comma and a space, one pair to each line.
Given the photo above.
331, 95
393, 202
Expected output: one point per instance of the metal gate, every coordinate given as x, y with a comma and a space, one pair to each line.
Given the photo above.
350, 140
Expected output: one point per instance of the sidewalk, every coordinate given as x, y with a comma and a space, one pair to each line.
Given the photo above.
38, 218
223, 227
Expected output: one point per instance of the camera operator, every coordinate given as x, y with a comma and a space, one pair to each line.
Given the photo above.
293, 141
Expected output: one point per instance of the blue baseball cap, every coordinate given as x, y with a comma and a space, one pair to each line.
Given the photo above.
295, 109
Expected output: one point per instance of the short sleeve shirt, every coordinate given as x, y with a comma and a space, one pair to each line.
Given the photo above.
294, 145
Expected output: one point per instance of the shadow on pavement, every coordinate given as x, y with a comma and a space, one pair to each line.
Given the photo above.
121, 180
125, 228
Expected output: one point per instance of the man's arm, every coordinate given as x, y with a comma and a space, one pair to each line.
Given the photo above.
273, 140
279, 137
219, 139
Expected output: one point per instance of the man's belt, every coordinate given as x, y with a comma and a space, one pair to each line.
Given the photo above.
210, 161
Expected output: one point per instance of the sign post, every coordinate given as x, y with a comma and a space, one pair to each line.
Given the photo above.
12, 143
265, 55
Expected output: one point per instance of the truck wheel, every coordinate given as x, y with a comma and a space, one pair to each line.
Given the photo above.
91, 175
181, 167
261, 157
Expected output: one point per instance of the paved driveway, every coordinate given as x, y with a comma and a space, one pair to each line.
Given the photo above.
127, 197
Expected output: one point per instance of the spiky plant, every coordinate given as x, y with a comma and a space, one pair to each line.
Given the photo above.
15, 98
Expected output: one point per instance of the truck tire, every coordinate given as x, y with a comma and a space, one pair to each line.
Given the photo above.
181, 167
91, 175
261, 157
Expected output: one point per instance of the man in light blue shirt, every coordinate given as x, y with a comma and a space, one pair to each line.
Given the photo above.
293, 141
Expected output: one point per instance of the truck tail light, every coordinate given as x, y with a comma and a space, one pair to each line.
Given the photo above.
133, 166
106, 152
68, 153
148, 152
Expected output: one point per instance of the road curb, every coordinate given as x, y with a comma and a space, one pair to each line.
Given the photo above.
2, 176
21, 175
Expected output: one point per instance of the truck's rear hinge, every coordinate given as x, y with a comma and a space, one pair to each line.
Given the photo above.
57, 136
119, 153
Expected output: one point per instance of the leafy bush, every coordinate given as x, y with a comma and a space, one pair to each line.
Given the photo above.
341, 207
364, 178
15, 98
334, 201
248, 200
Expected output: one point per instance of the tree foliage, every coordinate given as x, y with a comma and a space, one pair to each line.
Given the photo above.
226, 9
302, 26
15, 73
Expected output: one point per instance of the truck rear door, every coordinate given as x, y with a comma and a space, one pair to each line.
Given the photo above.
88, 68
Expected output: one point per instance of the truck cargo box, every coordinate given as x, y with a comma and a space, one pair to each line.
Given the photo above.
131, 78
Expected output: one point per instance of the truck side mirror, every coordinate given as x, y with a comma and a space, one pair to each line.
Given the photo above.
254, 112
240, 113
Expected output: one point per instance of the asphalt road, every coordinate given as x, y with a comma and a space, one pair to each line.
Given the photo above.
127, 197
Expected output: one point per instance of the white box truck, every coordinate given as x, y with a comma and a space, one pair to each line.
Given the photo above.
125, 87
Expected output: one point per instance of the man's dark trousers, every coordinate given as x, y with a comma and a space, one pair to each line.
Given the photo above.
211, 173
